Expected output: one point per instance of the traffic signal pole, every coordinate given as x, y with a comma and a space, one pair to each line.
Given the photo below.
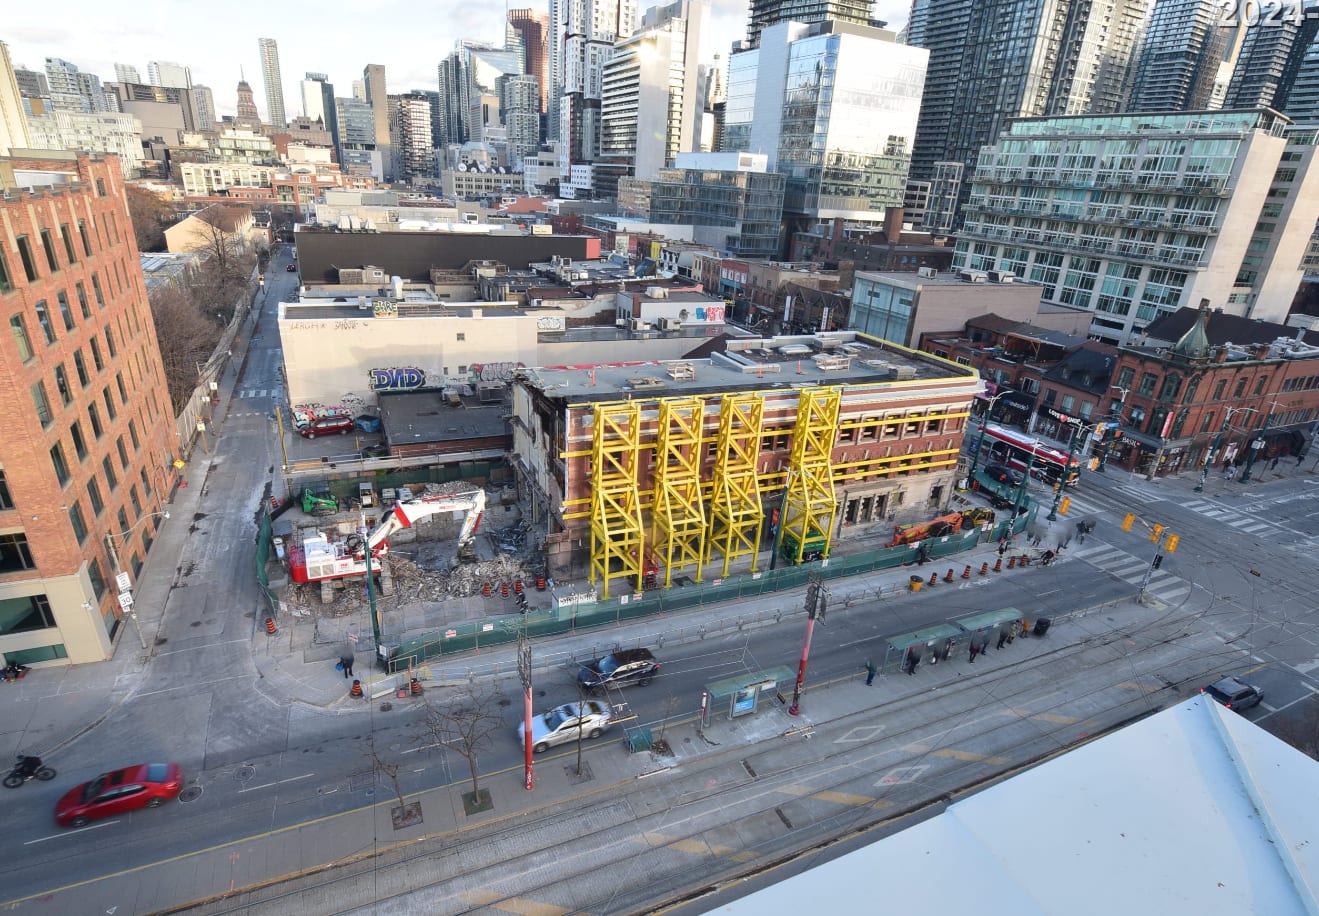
816, 598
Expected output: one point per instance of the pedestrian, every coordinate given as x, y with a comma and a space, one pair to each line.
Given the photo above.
870, 672
346, 660
1002, 547
1232, 472
1036, 542
1048, 557
1299, 459
1002, 638
1274, 463
974, 650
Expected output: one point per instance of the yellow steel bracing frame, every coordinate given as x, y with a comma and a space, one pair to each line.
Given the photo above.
678, 509
616, 527
736, 513
810, 505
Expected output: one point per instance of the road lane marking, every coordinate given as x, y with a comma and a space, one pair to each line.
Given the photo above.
1045, 716
56, 836
953, 754
278, 782
696, 846
511, 904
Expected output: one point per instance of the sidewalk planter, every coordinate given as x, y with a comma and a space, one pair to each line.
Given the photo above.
915, 583
640, 740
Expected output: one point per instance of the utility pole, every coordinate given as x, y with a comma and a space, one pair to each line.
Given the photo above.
371, 592
975, 456
816, 600
1067, 469
524, 674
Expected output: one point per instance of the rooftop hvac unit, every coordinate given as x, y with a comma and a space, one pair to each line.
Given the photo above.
671, 324
1002, 276
973, 276
928, 273
657, 292
636, 324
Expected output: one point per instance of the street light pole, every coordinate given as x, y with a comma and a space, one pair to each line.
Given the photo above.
1258, 443
119, 571
975, 456
816, 599
1107, 446
1222, 431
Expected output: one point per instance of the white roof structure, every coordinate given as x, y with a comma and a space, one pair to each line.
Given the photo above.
1194, 810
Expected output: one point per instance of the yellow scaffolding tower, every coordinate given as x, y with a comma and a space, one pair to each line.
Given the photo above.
678, 509
736, 514
810, 505
616, 529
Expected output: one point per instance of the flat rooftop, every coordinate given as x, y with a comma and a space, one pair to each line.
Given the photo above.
425, 416
806, 361
323, 310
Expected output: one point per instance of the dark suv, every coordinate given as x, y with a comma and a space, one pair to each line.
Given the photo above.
1234, 694
1002, 474
627, 666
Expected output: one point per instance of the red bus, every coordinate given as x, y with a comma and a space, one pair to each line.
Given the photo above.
1026, 454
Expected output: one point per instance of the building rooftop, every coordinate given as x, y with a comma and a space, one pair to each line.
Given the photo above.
361, 307
751, 363
416, 417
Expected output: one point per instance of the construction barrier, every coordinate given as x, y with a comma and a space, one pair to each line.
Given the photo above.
415, 687
540, 583
503, 589
517, 586
998, 565
934, 578
486, 590
1012, 562
984, 568
949, 576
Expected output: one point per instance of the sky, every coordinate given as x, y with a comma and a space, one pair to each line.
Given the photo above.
332, 37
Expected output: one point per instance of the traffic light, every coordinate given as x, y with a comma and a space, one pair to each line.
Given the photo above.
1092, 464
1128, 521
1171, 546
1156, 532
1100, 429
1065, 505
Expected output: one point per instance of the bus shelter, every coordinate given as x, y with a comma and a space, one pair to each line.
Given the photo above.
932, 644
741, 693
988, 625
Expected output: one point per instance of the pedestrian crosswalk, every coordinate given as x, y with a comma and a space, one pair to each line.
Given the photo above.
1131, 569
1234, 516
259, 393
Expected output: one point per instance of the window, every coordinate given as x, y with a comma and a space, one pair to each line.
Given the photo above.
109, 403
100, 187
96, 290
25, 255
95, 416
68, 243
96, 355
21, 615
137, 504
146, 482
94, 496
62, 385
1259, 385
15, 554
19, 327
83, 305
1208, 423
65, 312
59, 462
6, 282
98, 578
1241, 389
80, 366
123, 392
79, 443
6, 501
123, 452
43, 319
1219, 389
86, 239
48, 243
461, 337
1147, 382
42, 403
111, 479
132, 433
78, 522
110, 344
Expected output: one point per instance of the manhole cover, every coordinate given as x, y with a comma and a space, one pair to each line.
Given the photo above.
244, 773
190, 794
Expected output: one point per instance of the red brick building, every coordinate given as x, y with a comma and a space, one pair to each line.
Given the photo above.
86, 458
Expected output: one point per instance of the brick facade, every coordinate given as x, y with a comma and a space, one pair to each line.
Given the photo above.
82, 380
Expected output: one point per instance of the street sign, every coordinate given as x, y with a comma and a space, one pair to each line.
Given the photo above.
122, 580
125, 600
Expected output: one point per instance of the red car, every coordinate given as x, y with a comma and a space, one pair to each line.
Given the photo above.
145, 785
327, 426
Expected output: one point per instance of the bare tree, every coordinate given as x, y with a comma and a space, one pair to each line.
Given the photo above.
467, 725
150, 214
186, 337
225, 271
407, 812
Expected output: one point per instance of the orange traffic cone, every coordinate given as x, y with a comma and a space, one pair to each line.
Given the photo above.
486, 590
998, 565
934, 578
356, 690
270, 626
540, 583
984, 568
1025, 560
966, 573
503, 589
949, 576
415, 686
517, 586
1012, 562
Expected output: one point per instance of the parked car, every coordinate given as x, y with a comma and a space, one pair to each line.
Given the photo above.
145, 785
326, 426
627, 666
1234, 694
565, 723
291, 268
1002, 474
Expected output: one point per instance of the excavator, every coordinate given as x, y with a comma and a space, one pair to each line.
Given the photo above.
317, 559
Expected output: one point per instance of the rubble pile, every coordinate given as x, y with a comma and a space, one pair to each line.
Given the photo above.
467, 579
413, 584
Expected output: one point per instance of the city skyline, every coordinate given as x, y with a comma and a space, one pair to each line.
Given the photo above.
410, 41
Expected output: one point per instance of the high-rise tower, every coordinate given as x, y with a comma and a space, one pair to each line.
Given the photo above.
529, 30
584, 32
373, 82
13, 118
274, 83
247, 113
1179, 58
765, 13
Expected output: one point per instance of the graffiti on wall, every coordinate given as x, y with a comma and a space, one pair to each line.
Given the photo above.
710, 313
401, 378
495, 372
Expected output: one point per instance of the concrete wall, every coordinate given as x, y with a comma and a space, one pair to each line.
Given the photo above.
411, 255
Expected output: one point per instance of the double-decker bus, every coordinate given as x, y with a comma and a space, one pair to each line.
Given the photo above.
1026, 454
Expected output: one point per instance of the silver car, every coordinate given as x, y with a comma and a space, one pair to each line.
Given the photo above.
564, 723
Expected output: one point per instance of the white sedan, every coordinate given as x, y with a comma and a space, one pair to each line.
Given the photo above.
564, 723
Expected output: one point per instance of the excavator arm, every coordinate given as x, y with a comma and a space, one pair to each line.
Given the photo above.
405, 515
